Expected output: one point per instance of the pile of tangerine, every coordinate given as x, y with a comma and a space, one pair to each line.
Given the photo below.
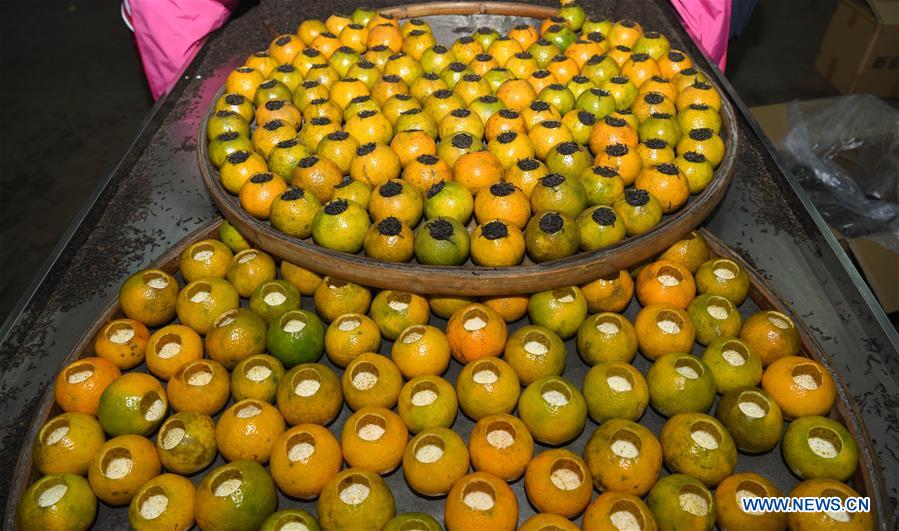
274, 408
559, 140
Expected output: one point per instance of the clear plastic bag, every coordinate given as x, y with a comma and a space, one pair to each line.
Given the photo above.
845, 155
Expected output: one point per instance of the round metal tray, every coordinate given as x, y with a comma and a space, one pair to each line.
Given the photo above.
868, 478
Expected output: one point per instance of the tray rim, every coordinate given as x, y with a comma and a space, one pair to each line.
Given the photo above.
868, 478
470, 280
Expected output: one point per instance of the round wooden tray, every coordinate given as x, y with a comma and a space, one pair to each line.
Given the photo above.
867, 480
469, 279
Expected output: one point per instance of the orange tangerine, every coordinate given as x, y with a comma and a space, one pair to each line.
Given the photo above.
244, 81
411, 144
248, 430
557, 481
387, 35
284, 48
394, 311
296, 337
673, 62
134, 403
208, 258
334, 297
679, 501
504, 201
238, 495
612, 131
680, 383
535, 352
733, 363
623, 456
728, 496
524, 34
304, 280
487, 387
273, 298
201, 301
396, 198
665, 282
562, 310
691, 251
611, 508
57, 501
67, 443
609, 294
257, 377
699, 446
186, 442
606, 337
164, 501
800, 386
480, 501
310, 393
526, 174
553, 409
170, 347
540, 79
516, 94
667, 183
504, 121
662, 329
427, 402
371, 380
121, 466
308, 30
548, 522
434, 460
350, 335
200, 386
235, 335
356, 499
826, 520
752, 418
477, 170
615, 390
511, 307
444, 306
80, 384
476, 331
421, 350
771, 334
303, 460
501, 445
497, 243
249, 269
317, 175
239, 167
374, 439
149, 296
723, 277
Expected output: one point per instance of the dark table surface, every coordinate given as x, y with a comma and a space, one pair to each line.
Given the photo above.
155, 197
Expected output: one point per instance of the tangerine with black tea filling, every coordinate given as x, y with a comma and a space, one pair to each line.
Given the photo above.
442, 241
340, 225
389, 240
550, 236
497, 244
399, 199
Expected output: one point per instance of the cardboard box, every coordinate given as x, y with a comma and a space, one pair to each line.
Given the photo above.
860, 50
878, 264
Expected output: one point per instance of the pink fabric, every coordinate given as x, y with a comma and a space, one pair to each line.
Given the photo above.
170, 32
708, 22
